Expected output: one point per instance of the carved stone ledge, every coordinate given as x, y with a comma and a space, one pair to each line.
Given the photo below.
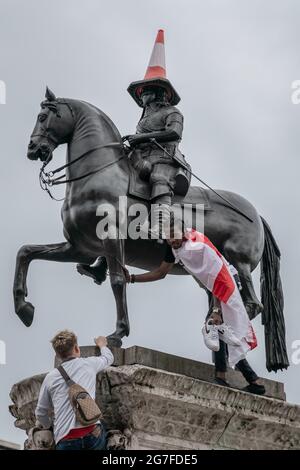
170, 411
152, 408
24, 396
181, 365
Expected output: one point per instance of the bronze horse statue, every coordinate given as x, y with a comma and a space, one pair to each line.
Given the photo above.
100, 175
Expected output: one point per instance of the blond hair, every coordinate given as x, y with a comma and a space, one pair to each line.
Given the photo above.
63, 343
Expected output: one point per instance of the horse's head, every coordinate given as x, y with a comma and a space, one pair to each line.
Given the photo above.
54, 126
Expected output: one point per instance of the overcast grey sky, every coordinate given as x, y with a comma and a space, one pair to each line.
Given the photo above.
232, 62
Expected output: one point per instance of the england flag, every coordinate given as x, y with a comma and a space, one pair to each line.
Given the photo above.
204, 262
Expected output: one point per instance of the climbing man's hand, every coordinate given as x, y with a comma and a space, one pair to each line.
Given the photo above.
101, 341
126, 273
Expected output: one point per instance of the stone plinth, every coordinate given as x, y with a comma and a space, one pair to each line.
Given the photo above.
182, 366
153, 400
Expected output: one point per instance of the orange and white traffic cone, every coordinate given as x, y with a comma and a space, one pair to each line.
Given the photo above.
157, 64
155, 74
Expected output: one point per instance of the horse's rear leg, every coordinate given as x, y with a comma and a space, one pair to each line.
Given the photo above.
252, 304
63, 252
114, 252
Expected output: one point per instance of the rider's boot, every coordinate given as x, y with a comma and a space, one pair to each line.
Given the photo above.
160, 219
161, 216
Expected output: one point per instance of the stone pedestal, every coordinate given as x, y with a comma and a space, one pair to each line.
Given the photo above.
153, 400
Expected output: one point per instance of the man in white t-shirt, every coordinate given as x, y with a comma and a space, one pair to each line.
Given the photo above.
54, 407
204, 262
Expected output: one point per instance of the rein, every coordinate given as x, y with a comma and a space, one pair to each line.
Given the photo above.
47, 178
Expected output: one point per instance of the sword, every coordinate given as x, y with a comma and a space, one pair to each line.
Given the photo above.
153, 140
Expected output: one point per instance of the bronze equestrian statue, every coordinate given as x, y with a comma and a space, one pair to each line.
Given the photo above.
98, 172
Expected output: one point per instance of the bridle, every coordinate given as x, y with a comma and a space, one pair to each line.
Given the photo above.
52, 105
47, 179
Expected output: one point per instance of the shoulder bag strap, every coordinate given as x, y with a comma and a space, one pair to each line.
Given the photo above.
68, 379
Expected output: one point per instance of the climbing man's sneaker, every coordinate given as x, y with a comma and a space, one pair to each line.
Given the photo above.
258, 389
227, 335
219, 381
211, 336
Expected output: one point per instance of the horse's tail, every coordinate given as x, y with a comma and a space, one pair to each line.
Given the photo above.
272, 300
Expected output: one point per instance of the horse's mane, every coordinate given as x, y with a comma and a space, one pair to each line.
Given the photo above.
85, 107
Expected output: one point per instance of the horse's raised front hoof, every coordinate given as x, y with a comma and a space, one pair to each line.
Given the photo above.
26, 313
114, 341
253, 309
